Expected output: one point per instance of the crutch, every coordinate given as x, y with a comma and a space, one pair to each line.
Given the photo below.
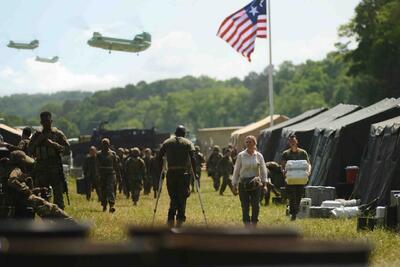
160, 183
196, 183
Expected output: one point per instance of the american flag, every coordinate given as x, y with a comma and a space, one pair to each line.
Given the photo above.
241, 28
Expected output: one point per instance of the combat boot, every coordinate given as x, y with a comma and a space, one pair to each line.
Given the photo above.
171, 223
179, 223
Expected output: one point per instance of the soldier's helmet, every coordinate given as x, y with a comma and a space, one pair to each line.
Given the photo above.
216, 149
19, 157
180, 131
105, 141
135, 152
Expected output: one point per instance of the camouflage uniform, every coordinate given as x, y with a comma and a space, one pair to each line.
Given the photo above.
48, 168
225, 169
199, 162
178, 150
108, 171
135, 170
148, 181
121, 162
212, 170
20, 191
91, 175
22, 145
276, 181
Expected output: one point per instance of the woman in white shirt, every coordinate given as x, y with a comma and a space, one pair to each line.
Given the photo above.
250, 176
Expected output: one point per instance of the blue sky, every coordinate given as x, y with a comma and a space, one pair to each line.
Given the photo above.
184, 40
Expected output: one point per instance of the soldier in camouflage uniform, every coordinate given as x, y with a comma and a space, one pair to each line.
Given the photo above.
21, 193
47, 147
199, 162
23, 144
225, 169
212, 163
179, 152
135, 170
90, 173
148, 181
121, 185
107, 163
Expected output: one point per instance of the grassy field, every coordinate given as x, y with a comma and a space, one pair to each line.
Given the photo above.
224, 211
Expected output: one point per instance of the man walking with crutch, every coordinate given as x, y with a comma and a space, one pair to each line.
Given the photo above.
178, 150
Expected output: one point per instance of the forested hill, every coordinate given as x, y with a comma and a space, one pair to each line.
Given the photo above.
194, 101
361, 75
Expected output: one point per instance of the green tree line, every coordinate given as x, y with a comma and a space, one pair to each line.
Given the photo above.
364, 69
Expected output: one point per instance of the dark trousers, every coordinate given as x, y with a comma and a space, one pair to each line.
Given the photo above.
217, 180
135, 188
250, 199
226, 181
54, 178
294, 193
107, 189
178, 185
147, 184
92, 183
155, 181
267, 194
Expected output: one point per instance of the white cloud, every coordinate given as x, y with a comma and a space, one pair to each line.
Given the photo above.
177, 54
297, 51
7, 72
46, 78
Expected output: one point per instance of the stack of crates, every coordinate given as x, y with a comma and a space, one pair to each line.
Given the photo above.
319, 194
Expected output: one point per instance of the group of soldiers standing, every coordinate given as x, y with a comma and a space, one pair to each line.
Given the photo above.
220, 165
126, 171
33, 167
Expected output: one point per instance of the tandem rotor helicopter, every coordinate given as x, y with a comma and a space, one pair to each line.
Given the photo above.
31, 46
28, 46
140, 43
46, 60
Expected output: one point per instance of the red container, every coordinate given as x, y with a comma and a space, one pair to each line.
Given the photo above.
351, 174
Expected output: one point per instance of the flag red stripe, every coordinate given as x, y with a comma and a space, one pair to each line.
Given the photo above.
228, 18
236, 30
245, 40
241, 34
241, 29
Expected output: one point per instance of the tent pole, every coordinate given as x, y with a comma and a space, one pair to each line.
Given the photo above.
270, 68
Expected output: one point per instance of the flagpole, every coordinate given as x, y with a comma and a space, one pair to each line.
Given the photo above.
270, 68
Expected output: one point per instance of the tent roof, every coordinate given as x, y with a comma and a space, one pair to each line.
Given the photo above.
381, 106
392, 124
324, 118
304, 116
10, 129
258, 124
389, 122
219, 129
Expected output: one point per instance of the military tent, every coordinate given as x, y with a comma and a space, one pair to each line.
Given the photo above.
10, 135
304, 130
209, 137
380, 163
269, 138
238, 136
340, 143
